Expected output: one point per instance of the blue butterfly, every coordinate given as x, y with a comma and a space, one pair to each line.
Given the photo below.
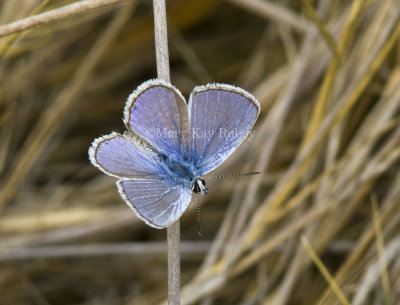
170, 145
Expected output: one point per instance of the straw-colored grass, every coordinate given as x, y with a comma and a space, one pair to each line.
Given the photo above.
327, 142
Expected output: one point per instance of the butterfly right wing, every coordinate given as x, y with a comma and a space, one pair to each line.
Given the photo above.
221, 116
158, 202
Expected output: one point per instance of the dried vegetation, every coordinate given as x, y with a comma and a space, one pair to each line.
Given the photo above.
319, 226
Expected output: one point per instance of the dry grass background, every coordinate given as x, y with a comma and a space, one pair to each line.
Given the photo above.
319, 226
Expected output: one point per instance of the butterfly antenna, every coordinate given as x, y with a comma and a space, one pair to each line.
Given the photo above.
233, 175
198, 214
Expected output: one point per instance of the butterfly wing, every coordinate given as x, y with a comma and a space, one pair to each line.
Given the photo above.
154, 197
158, 113
157, 202
118, 156
220, 116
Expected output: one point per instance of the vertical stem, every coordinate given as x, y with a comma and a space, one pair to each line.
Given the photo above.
173, 231
160, 33
174, 263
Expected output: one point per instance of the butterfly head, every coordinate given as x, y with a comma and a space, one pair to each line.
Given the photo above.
199, 186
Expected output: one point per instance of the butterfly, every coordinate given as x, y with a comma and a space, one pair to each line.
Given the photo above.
170, 144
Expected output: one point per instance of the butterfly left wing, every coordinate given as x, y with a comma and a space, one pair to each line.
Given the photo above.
120, 156
147, 188
158, 202
220, 117
157, 112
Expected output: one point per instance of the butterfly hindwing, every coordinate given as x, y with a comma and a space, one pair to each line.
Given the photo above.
158, 202
221, 116
119, 156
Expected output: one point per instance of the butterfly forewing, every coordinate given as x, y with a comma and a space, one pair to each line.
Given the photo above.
221, 116
158, 113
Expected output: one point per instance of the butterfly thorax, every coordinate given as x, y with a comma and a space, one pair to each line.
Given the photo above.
184, 172
180, 169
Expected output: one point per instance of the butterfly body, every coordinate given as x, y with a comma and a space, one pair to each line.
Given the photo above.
170, 145
199, 186
180, 170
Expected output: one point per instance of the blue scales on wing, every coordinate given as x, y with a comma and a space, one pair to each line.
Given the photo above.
158, 113
221, 116
170, 144
159, 202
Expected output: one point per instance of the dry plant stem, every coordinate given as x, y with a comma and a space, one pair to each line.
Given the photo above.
332, 120
300, 260
381, 248
6, 43
174, 263
362, 246
329, 78
50, 120
295, 172
63, 204
115, 221
189, 55
274, 11
56, 14
328, 277
371, 276
313, 15
299, 263
173, 231
272, 125
138, 249
161, 40
212, 255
